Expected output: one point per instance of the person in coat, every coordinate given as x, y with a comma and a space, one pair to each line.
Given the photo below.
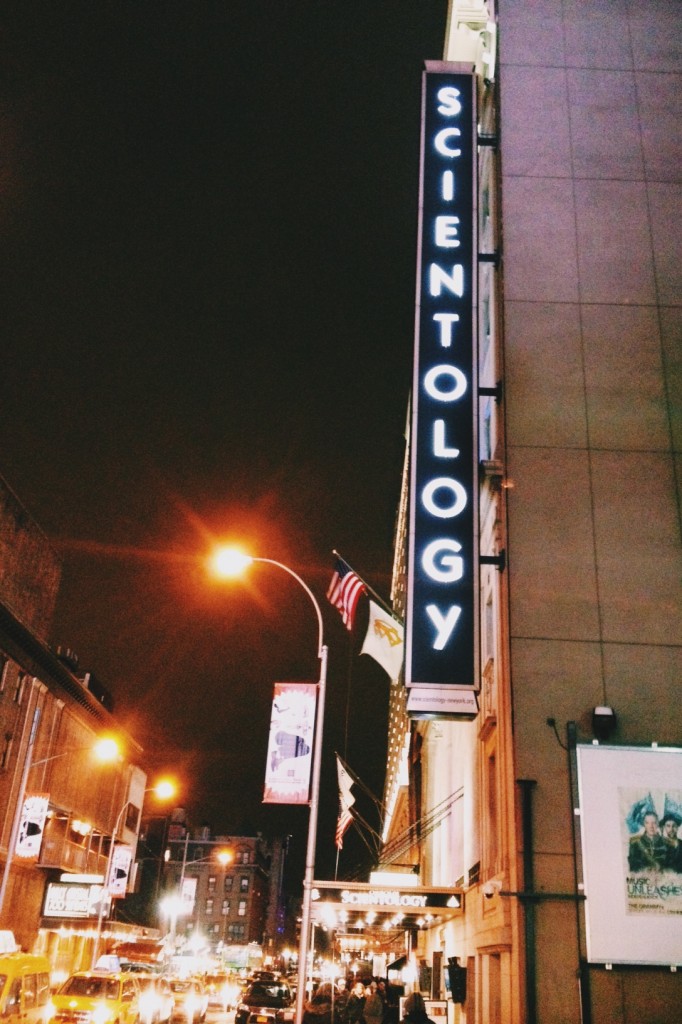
415, 1010
373, 1011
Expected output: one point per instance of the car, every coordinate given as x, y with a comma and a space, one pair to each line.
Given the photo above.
96, 997
266, 1002
24, 987
191, 1000
157, 1001
222, 991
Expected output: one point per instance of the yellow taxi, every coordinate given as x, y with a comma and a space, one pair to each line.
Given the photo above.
97, 997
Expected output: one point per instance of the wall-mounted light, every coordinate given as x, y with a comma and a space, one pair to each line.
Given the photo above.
603, 722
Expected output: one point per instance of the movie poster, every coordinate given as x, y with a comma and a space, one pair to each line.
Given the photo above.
652, 850
630, 817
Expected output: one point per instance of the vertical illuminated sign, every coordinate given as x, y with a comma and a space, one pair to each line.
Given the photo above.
442, 610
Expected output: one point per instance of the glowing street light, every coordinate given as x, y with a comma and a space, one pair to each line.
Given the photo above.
229, 562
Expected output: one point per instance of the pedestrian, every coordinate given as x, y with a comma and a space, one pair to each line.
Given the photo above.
373, 1012
355, 1004
341, 997
319, 1008
415, 1010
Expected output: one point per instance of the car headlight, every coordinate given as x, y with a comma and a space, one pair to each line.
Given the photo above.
100, 1014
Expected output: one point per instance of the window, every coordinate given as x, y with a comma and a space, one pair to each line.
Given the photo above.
216, 929
19, 689
30, 991
235, 932
226, 908
5, 750
209, 907
227, 884
245, 857
43, 989
4, 662
241, 909
244, 883
211, 883
13, 1003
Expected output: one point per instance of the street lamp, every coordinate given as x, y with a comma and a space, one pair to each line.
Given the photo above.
164, 790
231, 562
105, 749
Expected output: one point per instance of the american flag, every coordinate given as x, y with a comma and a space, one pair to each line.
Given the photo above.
346, 800
345, 590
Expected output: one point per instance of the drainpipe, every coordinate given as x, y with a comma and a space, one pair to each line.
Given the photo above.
526, 786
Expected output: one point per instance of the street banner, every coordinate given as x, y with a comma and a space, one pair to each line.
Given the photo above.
188, 896
31, 827
290, 745
120, 870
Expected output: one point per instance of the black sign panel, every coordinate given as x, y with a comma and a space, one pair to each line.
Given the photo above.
442, 613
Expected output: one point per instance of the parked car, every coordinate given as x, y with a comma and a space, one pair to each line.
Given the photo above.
24, 988
266, 1002
157, 1001
191, 1000
97, 997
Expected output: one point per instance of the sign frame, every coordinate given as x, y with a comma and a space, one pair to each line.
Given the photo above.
443, 592
633, 913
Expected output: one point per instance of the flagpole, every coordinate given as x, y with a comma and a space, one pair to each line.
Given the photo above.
384, 604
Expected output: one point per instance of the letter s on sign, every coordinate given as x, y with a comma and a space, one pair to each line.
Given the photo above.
448, 98
441, 561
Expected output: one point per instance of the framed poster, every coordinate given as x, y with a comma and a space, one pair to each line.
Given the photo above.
631, 838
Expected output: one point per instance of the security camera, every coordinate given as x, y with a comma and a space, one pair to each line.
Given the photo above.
491, 889
603, 722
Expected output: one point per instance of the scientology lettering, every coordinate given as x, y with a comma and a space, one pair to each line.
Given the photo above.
442, 611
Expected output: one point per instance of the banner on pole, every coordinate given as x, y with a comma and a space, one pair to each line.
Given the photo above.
31, 827
290, 746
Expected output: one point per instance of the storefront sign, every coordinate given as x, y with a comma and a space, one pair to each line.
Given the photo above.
71, 901
442, 619
441, 702
364, 896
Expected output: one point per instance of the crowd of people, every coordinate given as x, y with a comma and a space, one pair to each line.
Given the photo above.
363, 1002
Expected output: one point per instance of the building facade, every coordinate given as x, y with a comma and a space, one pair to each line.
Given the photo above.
60, 808
230, 890
580, 589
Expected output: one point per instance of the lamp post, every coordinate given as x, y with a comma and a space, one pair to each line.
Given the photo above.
164, 790
228, 562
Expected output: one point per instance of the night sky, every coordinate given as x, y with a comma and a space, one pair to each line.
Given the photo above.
208, 219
